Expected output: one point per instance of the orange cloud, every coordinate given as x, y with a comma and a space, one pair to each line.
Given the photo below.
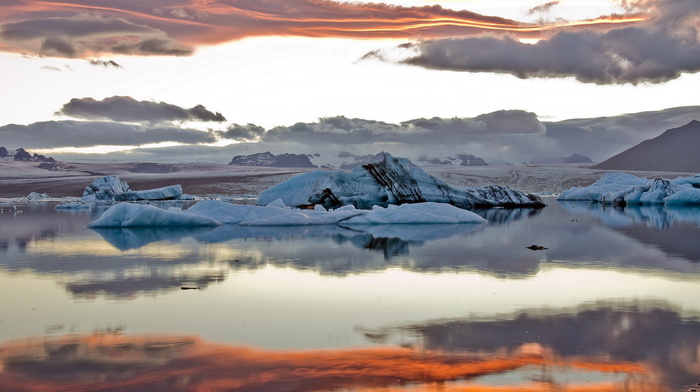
133, 363
58, 29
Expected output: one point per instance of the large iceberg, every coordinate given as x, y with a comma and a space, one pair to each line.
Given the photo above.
214, 212
391, 181
113, 188
625, 189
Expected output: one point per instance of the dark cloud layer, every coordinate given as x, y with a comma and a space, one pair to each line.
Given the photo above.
54, 134
85, 34
248, 132
79, 28
127, 109
434, 131
658, 50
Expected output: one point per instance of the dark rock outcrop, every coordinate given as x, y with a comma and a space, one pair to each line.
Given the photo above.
25, 156
471, 160
271, 160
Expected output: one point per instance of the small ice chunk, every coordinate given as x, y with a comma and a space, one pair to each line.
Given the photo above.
37, 196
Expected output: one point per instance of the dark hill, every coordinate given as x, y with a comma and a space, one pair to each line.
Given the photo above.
675, 150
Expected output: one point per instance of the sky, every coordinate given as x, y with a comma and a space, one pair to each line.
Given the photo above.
202, 80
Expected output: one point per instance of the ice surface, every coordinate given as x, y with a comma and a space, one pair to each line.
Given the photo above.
272, 215
416, 214
392, 181
113, 188
626, 189
212, 212
142, 215
165, 193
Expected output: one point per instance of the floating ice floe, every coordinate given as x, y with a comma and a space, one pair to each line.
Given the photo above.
142, 215
113, 188
212, 212
391, 181
625, 189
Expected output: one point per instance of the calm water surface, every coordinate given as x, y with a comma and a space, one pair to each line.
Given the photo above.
612, 304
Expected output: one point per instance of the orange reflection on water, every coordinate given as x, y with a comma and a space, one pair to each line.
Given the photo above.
147, 363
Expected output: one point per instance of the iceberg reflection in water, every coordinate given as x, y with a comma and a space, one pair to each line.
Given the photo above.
610, 305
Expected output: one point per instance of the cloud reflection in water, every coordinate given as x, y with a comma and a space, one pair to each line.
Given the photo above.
170, 363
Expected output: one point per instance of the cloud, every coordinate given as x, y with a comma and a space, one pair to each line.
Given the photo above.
506, 135
83, 34
600, 138
66, 29
542, 7
54, 134
127, 109
342, 130
514, 135
248, 132
199, 365
657, 50
105, 63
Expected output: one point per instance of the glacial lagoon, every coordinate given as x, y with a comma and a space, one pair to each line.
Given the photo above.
611, 304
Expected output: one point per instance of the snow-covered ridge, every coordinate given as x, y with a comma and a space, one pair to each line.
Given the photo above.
625, 189
391, 181
214, 212
21, 154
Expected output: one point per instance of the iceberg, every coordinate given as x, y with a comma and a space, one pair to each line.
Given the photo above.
145, 215
391, 181
74, 205
105, 188
34, 196
625, 189
214, 212
113, 188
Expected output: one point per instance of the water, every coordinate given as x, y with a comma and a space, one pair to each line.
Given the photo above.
610, 305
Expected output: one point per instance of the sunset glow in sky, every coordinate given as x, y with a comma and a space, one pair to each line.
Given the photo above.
268, 64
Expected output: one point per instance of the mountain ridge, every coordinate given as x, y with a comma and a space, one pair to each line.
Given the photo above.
674, 150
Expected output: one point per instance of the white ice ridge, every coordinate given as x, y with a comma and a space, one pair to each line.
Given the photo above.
214, 212
626, 189
391, 181
111, 188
